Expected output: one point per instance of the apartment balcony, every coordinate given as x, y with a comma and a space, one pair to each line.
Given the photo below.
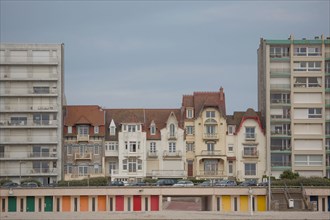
24, 139
152, 154
307, 54
168, 173
280, 72
327, 55
29, 172
211, 153
84, 156
210, 173
82, 138
28, 108
9, 156
280, 165
28, 124
26, 60
250, 136
45, 78
280, 133
9, 93
280, 102
280, 149
172, 155
280, 118
280, 87
111, 153
210, 136
250, 153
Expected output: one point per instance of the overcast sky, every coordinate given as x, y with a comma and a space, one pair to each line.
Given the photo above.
147, 54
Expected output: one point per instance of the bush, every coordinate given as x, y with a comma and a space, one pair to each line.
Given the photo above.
311, 181
3, 181
31, 180
288, 174
95, 181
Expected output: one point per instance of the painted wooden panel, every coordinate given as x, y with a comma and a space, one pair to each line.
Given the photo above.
30, 204
119, 203
244, 203
226, 203
137, 204
12, 204
154, 205
84, 203
66, 204
261, 203
101, 203
48, 203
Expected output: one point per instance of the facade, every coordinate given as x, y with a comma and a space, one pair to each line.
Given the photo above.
144, 143
246, 146
84, 131
31, 100
293, 97
204, 115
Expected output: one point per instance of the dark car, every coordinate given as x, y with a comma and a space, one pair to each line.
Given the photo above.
249, 183
29, 184
10, 185
226, 183
138, 184
263, 184
117, 183
165, 182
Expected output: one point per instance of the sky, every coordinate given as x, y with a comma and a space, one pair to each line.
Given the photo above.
148, 54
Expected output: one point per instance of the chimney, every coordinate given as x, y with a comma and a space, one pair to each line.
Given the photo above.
221, 94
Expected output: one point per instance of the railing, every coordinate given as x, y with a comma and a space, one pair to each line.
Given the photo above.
82, 137
280, 132
26, 107
250, 136
211, 152
29, 122
85, 156
167, 153
307, 85
280, 86
279, 55
281, 163
250, 153
304, 196
152, 154
210, 173
42, 154
280, 148
111, 153
280, 101
43, 170
29, 92
211, 136
280, 70
168, 173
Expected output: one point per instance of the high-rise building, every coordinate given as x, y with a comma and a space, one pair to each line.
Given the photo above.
31, 100
294, 98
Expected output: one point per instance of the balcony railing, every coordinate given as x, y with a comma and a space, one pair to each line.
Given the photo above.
28, 122
172, 136
168, 173
280, 148
280, 86
211, 152
167, 153
82, 138
217, 173
210, 136
152, 153
42, 154
281, 163
111, 153
250, 153
280, 116
250, 136
280, 101
85, 156
280, 132
22, 107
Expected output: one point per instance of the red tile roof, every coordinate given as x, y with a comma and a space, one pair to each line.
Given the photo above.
84, 114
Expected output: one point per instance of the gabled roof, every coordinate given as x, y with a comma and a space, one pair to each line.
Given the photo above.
140, 116
201, 100
84, 114
238, 118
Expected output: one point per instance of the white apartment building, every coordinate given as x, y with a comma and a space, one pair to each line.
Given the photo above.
294, 98
31, 100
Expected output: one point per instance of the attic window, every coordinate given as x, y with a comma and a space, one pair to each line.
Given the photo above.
96, 129
189, 113
153, 129
112, 130
69, 129
231, 129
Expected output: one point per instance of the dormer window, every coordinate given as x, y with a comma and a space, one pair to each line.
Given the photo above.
189, 113
112, 128
210, 114
152, 128
231, 129
69, 129
172, 130
83, 130
96, 129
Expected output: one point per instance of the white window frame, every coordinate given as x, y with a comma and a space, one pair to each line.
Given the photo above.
96, 129
190, 130
153, 129
69, 129
83, 130
190, 113
230, 147
210, 114
190, 146
152, 148
172, 147
250, 171
315, 113
231, 129
84, 169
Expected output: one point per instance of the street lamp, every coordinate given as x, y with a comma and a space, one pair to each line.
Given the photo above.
251, 200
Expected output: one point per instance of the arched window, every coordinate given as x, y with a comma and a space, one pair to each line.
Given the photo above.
172, 130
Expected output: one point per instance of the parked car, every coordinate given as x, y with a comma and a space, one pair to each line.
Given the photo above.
138, 184
249, 183
263, 184
117, 183
165, 182
10, 185
206, 183
29, 184
225, 183
184, 183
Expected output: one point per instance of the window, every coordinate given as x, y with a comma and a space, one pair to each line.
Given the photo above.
69, 129
134, 164
210, 129
314, 113
69, 149
278, 52
132, 146
250, 169
2, 151
210, 114
153, 147
82, 170
308, 160
250, 150
112, 130
314, 65
190, 130
125, 164
40, 90
172, 130
230, 147
131, 128
210, 167
41, 119
96, 129
96, 149
249, 132
112, 166
210, 146
190, 147
189, 113
18, 120
231, 129
69, 168
172, 147
300, 51
153, 129
309, 82
230, 167
113, 146
96, 168
83, 130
